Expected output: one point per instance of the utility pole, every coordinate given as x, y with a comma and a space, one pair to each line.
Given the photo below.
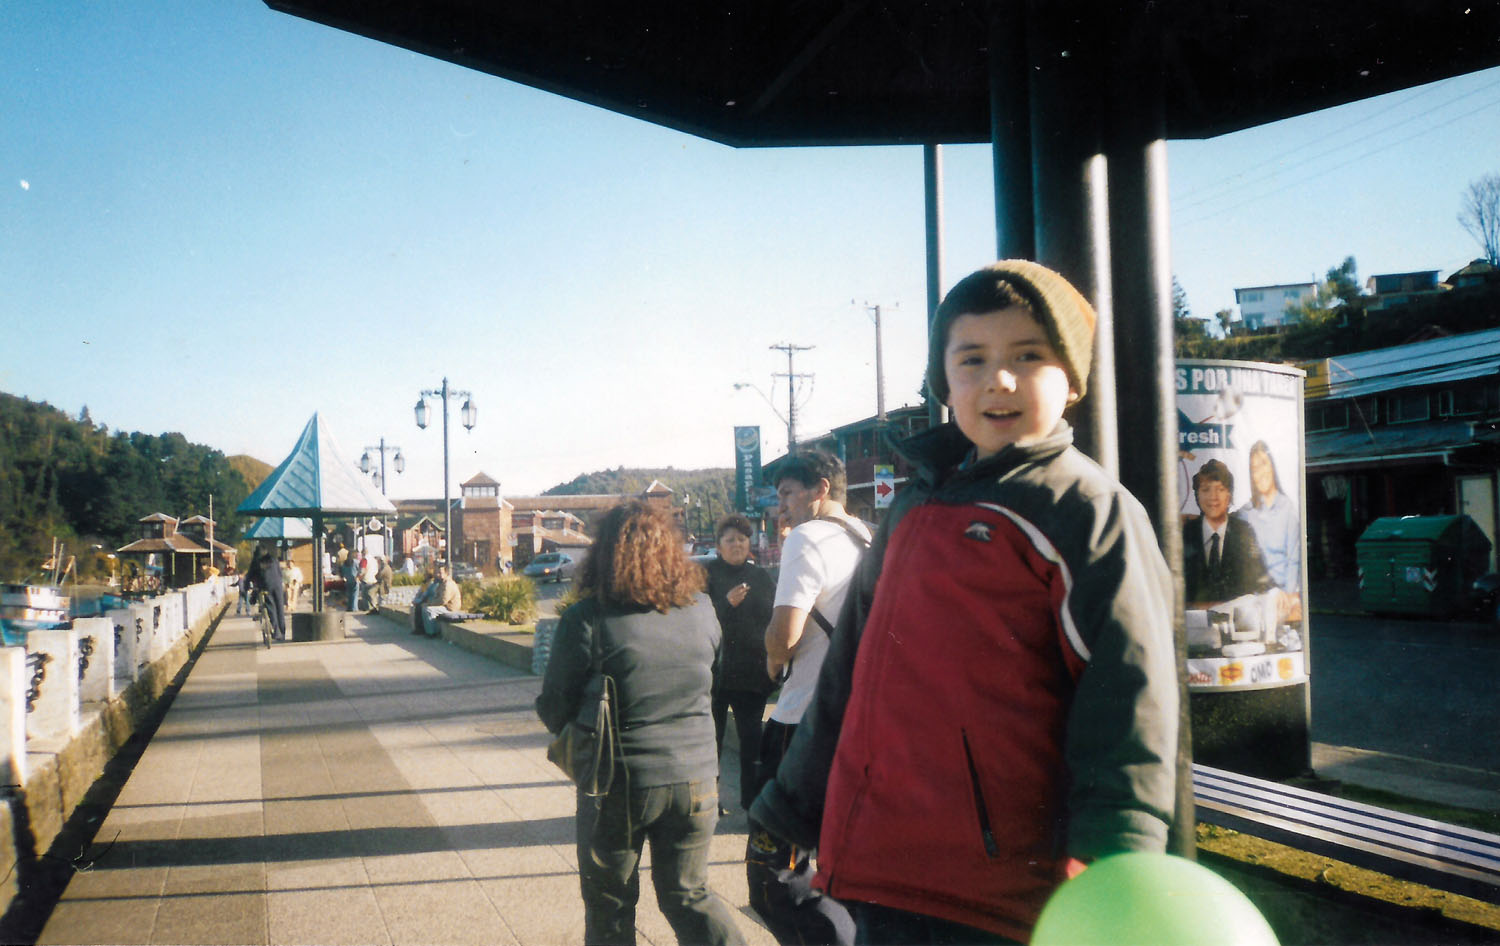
791, 390
879, 365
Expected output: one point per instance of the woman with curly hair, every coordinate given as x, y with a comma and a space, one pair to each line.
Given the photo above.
658, 640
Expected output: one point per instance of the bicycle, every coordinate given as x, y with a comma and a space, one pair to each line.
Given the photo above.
263, 615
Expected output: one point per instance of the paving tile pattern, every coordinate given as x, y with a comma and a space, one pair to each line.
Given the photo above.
380, 789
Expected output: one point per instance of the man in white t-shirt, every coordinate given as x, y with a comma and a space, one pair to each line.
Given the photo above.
818, 559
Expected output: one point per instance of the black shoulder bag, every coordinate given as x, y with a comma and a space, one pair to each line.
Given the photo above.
586, 751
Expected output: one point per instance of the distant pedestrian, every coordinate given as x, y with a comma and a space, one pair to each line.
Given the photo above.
264, 574
294, 581
351, 580
369, 571
384, 575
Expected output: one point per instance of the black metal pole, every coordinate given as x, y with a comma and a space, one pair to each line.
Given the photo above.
447, 503
932, 181
318, 546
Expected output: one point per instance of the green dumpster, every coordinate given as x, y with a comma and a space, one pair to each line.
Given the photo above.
1420, 564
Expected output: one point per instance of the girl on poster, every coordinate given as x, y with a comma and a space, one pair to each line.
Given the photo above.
1273, 516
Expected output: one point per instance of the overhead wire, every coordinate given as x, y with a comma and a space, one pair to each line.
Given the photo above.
1188, 203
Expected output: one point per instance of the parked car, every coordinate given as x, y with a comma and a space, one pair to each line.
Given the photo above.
550, 566
464, 571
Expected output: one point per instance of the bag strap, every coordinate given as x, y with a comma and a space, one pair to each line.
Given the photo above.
859, 540
848, 527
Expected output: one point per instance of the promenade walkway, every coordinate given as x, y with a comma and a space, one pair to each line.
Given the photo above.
381, 789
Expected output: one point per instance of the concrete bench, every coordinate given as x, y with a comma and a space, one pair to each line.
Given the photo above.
1442, 856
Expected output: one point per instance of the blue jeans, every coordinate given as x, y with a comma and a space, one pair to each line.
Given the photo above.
679, 822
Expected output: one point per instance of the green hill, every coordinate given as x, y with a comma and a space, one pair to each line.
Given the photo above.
254, 471
66, 478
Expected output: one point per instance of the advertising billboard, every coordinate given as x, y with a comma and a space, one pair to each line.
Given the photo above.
1241, 462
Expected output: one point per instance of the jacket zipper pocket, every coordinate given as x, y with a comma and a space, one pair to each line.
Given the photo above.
985, 831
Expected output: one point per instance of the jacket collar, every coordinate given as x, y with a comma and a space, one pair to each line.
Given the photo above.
937, 453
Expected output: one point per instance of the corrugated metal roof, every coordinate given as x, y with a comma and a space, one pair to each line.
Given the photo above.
1400, 441
1435, 361
280, 527
315, 479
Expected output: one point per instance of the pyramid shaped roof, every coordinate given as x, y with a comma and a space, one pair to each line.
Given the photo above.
480, 479
315, 480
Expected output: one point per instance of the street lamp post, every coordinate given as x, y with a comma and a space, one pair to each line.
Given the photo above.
399, 462
469, 415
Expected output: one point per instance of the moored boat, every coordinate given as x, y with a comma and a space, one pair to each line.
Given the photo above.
25, 607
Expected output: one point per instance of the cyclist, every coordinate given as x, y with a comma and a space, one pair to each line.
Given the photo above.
264, 573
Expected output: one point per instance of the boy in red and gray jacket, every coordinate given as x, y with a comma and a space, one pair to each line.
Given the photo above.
998, 705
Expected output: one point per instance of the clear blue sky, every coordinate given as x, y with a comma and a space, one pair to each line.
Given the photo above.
218, 219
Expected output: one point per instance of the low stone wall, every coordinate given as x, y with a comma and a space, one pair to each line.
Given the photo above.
485, 638
70, 699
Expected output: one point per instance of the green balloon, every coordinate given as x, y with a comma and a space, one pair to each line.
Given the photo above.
1140, 899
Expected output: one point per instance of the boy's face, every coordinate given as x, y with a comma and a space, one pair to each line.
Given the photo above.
1006, 383
1213, 499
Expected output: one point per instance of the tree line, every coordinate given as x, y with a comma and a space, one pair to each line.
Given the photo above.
710, 492
65, 478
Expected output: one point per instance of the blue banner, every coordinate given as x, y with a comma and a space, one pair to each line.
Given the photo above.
746, 467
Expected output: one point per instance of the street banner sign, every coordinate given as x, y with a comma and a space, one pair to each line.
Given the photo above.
885, 485
746, 467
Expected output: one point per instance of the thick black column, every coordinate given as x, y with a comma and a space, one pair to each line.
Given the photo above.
1068, 74
1142, 278
1010, 137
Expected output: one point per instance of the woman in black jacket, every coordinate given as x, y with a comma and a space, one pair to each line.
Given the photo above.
742, 593
658, 640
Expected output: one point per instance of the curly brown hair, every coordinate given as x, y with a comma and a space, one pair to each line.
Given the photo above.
638, 558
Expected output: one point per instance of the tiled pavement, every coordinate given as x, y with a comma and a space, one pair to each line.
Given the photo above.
380, 789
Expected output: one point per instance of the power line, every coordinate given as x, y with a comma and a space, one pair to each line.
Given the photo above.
1340, 166
1207, 195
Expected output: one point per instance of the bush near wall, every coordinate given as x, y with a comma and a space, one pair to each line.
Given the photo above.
509, 598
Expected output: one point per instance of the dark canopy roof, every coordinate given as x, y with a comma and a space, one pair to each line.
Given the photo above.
805, 72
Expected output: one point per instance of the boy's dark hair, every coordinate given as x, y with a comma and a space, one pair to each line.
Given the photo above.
736, 522
809, 466
1060, 309
1214, 470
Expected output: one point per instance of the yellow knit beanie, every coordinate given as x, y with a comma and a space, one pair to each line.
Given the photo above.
1063, 312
